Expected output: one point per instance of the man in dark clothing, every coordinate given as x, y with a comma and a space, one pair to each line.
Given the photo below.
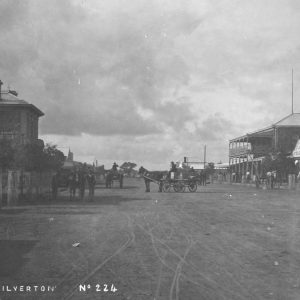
172, 171
192, 171
114, 167
72, 185
81, 184
173, 167
54, 185
257, 181
91, 180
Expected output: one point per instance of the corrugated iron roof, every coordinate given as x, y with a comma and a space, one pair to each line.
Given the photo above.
196, 166
222, 166
290, 120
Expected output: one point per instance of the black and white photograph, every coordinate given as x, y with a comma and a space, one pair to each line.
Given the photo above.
150, 149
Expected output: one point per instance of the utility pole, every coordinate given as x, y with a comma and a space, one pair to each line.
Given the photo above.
292, 91
0, 89
204, 156
1, 189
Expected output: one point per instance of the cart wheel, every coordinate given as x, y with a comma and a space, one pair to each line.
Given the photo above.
179, 187
166, 186
192, 186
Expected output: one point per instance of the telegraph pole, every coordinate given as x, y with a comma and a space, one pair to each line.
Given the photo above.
292, 91
204, 156
1, 190
0, 89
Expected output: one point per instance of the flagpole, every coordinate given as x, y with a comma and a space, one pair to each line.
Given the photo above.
292, 91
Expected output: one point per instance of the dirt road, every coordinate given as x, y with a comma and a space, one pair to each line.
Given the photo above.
222, 242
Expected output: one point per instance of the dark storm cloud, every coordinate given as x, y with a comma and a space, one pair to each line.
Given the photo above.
179, 72
96, 68
75, 122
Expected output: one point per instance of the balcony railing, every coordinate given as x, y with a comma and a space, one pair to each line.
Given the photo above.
256, 151
239, 151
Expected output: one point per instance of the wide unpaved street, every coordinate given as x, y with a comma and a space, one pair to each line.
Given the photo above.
222, 242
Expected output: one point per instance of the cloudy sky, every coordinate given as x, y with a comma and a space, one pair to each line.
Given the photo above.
151, 81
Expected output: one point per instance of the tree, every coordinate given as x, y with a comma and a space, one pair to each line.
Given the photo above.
128, 167
6, 154
39, 157
209, 169
54, 158
29, 157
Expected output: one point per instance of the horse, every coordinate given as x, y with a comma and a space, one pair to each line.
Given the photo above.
108, 179
112, 175
152, 176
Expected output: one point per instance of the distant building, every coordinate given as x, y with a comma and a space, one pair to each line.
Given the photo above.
247, 152
70, 156
221, 166
194, 163
18, 118
71, 164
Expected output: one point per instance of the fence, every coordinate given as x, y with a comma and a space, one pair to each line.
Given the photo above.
18, 186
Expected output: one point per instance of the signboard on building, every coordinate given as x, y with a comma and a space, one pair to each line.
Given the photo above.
296, 152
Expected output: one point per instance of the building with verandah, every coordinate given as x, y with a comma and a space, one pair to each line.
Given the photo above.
247, 152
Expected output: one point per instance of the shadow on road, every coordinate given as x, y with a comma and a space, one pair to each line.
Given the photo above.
116, 187
11, 211
12, 255
66, 202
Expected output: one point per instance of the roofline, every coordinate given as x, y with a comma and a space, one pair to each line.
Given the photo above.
37, 110
285, 118
26, 105
261, 130
247, 135
238, 138
287, 126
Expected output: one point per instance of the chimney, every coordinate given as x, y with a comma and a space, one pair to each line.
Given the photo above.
0, 89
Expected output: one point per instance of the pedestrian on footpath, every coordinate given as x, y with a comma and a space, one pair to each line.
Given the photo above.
91, 180
54, 185
73, 180
82, 178
257, 180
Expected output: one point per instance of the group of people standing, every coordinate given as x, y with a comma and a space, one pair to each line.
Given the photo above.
79, 179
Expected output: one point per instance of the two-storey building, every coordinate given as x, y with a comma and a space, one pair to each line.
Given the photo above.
247, 152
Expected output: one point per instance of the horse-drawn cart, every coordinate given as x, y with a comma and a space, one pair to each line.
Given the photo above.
179, 185
112, 176
166, 182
